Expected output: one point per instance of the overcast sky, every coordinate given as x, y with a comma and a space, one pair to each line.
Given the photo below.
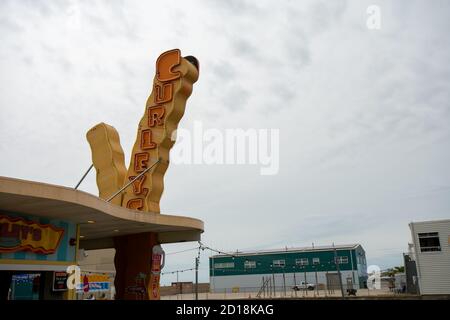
363, 114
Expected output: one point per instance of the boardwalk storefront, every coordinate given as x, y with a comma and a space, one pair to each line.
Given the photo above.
34, 252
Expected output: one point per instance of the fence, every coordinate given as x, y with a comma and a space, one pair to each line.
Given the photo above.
278, 293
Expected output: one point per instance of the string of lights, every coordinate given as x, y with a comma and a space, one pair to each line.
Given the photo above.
200, 248
203, 247
176, 252
173, 272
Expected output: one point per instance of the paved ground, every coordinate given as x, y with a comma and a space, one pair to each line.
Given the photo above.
289, 295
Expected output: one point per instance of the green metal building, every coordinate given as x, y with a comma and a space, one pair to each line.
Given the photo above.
286, 268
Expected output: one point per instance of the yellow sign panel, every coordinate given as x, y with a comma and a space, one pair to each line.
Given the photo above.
18, 234
141, 186
95, 277
108, 159
172, 86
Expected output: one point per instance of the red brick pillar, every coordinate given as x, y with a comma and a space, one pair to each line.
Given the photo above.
133, 261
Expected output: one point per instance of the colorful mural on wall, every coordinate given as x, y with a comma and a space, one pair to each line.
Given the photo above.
36, 239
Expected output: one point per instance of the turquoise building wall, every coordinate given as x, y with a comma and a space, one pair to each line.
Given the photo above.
264, 263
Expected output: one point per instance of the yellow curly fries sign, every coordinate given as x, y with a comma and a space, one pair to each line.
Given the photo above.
18, 234
172, 85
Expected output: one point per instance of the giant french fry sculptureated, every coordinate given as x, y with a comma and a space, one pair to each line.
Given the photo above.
172, 85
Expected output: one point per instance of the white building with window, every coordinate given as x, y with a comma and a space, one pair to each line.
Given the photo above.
431, 252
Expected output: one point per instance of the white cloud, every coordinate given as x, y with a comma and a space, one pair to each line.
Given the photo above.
363, 114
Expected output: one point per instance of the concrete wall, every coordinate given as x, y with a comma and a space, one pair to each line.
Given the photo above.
97, 260
172, 290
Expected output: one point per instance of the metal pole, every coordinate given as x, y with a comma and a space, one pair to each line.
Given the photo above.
271, 287
317, 282
178, 286
196, 278
214, 282
84, 176
295, 280
295, 283
339, 271
305, 289
269, 278
133, 180
284, 282
264, 287
274, 286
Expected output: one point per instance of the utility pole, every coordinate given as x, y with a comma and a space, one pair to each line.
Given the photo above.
274, 286
197, 262
305, 289
266, 286
295, 283
271, 287
338, 270
212, 265
178, 286
317, 282
196, 277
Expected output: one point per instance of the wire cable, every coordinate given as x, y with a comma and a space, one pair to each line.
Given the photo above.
176, 252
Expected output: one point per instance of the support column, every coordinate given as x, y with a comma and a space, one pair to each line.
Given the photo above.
133, 261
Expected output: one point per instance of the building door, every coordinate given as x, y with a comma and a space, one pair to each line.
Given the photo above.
349, 283
333, 281
412, 285
25, 286
5, 284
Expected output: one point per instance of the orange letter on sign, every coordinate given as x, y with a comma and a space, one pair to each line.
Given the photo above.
163, 93
140, 161
137, 185
146, 140
136, 204
155, 116
165, 63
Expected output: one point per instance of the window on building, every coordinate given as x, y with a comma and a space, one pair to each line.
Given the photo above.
316, 261
278, 263
302, 262
342, 259
225, 265
249, 264
429, 242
